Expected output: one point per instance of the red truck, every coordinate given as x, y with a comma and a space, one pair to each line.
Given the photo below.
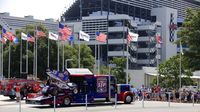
81, 82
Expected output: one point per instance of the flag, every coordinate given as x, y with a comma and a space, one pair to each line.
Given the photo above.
84, 36
2, 39
158, 38
101, 37
71, 38
132, 37
7, 34
181, 49
53, 36
64, 32
23, 36
30, 38
15, 40
40, 33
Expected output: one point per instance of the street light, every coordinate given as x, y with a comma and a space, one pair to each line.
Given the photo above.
67, 61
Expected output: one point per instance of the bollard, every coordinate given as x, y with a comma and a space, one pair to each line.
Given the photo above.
115, 100
54, 103
86, 101
142, 99
193, 100
169, 99
20, 107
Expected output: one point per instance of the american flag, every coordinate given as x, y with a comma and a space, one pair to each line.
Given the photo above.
129, 38
2, 40
40, 33
158, 38
30, 38
101, 37
132, 37
7, 34
64, 32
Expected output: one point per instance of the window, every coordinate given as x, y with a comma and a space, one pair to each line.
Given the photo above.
142, 44
143, 56
142, 33
116, 47
116, 35
116, 23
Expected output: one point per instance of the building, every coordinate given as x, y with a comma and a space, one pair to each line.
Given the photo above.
12, 22
95, 15
145, 17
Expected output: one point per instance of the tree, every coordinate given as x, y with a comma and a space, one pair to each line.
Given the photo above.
119, 70
190, 35
169, 73
87, 60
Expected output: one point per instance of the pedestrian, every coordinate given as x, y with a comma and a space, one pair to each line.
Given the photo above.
17, 91
1, 88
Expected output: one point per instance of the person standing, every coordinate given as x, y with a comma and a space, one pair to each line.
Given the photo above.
17, 91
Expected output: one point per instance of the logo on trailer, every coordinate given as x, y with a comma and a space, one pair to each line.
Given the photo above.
101, 85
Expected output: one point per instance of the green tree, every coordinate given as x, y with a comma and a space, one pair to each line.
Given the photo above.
119, 70
169, 73
190, 35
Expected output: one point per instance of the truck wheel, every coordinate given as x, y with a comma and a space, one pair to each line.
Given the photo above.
66, 101
12, 97
128, 99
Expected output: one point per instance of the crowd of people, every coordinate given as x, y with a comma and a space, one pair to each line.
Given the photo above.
157, 93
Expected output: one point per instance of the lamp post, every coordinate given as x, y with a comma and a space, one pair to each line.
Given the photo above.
67, 61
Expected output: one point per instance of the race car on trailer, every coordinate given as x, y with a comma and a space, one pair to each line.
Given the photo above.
73, 85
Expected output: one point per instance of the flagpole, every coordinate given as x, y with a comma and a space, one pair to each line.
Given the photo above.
95, 56
2, 59
98, 58
58, 59
79, 53
127, 63
180, 67
21, 57
48, 55
27, 57
9, 62
36, 54
157, 64
63, 63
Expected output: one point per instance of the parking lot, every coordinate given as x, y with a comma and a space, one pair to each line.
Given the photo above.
7, 105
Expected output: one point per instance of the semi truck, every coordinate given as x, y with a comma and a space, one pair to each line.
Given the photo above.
73, 85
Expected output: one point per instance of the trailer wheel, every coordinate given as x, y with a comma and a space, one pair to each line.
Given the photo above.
54, 92
128, 99
66, 101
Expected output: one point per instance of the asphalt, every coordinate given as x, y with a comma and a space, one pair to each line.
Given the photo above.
7, 105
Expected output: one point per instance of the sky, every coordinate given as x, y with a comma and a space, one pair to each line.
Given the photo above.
40, 9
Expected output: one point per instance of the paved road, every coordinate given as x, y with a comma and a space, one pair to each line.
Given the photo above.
7, 105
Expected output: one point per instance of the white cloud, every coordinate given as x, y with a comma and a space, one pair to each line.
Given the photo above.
40, 9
